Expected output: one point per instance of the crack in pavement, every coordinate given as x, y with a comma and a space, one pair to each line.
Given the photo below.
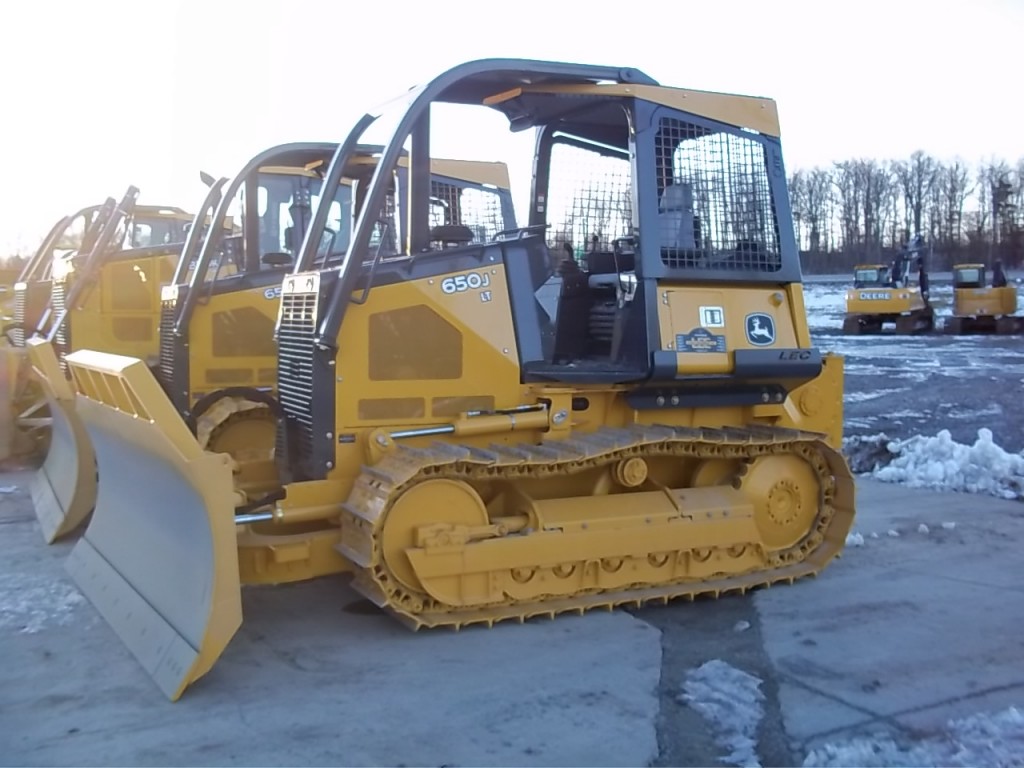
691, 634
890, 719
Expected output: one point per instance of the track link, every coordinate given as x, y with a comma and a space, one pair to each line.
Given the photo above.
711, 566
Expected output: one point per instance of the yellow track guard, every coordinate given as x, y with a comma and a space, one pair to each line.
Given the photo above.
158, 560
64, 487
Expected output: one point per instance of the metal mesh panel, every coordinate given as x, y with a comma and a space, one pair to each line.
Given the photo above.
478, 209
715, 206
590, 199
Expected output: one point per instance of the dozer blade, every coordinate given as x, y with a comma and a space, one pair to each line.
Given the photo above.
158, 560
64, 488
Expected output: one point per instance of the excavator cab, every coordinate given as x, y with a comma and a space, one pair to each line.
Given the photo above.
969, 276
870, 276
673, 432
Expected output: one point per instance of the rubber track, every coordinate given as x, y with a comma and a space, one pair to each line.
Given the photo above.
378, 486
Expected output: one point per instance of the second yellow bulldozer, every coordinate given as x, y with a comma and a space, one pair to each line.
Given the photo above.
95, 279
674, 433
217, 356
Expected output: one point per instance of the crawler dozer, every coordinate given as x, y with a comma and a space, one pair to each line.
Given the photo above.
888, 299
982, 308
674, 434
67, 289
108, 298
217, 352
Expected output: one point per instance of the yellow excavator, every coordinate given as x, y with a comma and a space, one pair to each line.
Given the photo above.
674, 434
982, 308
217, 353
890, 298
95, 278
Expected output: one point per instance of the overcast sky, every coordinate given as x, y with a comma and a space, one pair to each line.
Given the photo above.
101, 94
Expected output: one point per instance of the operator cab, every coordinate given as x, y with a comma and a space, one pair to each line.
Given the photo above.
870, 276
969, 276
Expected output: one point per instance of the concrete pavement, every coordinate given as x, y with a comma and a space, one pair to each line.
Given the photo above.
900, 635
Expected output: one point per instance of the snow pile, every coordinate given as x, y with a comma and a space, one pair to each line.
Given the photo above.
995, 741
731, 701
939, 463
30, 603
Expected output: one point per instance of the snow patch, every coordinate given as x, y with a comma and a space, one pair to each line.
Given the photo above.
922, 528
993, 740
8, 488
994, 409
855, 540
732, 702
949, 526
860, 397
29, 604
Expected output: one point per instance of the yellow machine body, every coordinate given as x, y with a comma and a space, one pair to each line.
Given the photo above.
978, 302
469, 464
979, 307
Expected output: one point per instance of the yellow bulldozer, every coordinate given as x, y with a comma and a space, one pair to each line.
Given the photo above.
95, 278
890, 298
217, 356
674, 434
982, 308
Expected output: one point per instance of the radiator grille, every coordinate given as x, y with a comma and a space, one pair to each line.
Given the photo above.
167, 342
295, 376
18, 332
62, 339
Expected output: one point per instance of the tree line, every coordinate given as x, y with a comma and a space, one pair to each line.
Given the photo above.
864, 210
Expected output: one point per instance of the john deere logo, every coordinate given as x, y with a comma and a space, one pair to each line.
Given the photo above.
760, 329
874, 295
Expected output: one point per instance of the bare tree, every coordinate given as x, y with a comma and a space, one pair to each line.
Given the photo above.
916, 177
849, 187
876, 180
818, 209
955, 187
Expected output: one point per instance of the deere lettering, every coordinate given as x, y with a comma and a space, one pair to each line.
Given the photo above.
874, 295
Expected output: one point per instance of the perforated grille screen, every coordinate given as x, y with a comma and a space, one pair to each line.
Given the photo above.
472, 207
590, 200
715, 205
